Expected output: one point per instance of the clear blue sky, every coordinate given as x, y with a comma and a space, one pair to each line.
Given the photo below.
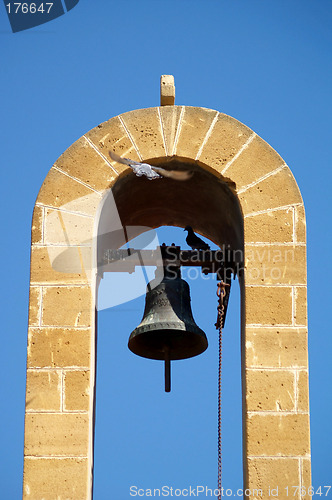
266, 63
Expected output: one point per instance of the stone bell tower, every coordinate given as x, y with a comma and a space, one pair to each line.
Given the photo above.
246, 196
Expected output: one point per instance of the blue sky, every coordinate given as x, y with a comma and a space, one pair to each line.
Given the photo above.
266, 63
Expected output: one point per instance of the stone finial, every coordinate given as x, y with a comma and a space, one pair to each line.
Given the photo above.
167, 90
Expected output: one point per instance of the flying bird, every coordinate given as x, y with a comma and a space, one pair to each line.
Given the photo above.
194, 241
150, 171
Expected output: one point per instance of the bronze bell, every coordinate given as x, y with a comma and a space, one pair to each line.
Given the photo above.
168, 330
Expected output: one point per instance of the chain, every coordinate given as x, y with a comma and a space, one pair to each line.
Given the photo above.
221, 292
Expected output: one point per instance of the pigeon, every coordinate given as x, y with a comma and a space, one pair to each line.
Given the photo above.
194, 241
150, 171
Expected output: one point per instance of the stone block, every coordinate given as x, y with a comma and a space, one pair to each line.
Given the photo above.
276, 347
37, 226
67, 306
301, 306
56, 434
270, 390
275, 265
275, 191
278, 435
83, 162
59, 347
303, 391
269, 227
306, 479
272, 477
268, 305
43, 391
34, 305
63, 228
144, 127
112, 135
167, 90
59, 190
300, 224
56, 478
170, 117
77, 390
256, 160
55, 265
225, 141
194, 127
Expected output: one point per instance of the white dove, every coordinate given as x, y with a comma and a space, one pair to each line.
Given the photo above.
150, 171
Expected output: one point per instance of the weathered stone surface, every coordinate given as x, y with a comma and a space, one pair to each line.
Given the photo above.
278, 435
303, 391
67, 228
270, 390
300, 224
83, 162
43, 390
77, 390
59, 347
268, 305
276, 347
54, 265
59, 190
194, 126
52, 434
275, 265
170, 117
145, 128
67, 306
60, 478
167, 90
34, 305
226, 139
306, 478
301, 306
37, 226
275, 191
270, 227
255, 161
272, 476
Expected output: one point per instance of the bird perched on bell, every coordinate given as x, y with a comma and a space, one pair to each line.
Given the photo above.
150, 171
194, 241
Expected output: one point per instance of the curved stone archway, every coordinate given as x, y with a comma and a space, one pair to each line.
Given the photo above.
242, 193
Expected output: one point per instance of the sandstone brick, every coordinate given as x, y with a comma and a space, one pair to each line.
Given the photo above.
59, 347
273, 475
170, 117
52, 434
167, 90
270, 227
67, 306
59, 190
268, 305
67, 228
226, 139
306, 478
300, 224
83, 162
278, 435
43, 390
275, 265
275, 191
255, 161
301, 306
270, 390
77, 390
194, 127
50, 478
276, 347
112, 135
145, 128
37, 225
34, 305
51, 265
303, 391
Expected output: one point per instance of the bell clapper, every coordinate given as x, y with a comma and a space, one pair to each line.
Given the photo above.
167, 370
